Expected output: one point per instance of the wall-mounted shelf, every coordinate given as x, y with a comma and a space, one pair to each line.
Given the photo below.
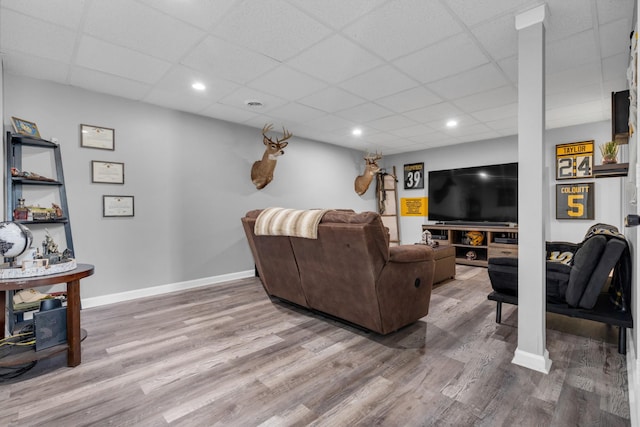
611, 170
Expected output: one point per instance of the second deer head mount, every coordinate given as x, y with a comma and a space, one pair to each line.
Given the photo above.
262, 170
371, 168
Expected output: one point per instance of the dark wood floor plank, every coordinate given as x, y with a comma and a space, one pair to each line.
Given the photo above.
227, 355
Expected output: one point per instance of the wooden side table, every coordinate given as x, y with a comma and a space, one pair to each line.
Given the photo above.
72, 279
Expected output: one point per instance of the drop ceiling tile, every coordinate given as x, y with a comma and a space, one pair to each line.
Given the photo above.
185, 101
567, 17
408, 100
483, 10
294, 112
239, 98
412, 131
36, 67
364, 113
506, 126
579, 95
202, 14
438, 112
612, 65
108, 58
451, 56
401, 27
498, 37
178, 80
271, 27
329, 123
230, 114
379, 82
509, 67
337, 13
489, 99
612, 10
464, 121
288, 83
66, 13
471, 130
614, 37
496, 113
566, 80
28, 36
107, 83
161, 36
334, 60
571, 52
386, 124
228, 61
331, 99
479, 79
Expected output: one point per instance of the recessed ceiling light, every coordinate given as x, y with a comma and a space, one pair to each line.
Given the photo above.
253, 103
356, 132
452, 123
198, 86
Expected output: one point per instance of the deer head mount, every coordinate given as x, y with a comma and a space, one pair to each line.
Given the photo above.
371, 168
262, 170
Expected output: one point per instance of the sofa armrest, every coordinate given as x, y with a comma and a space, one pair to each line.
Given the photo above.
410, 253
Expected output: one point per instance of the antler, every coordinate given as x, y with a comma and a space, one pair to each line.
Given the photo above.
266, 129
373, 158
285, 135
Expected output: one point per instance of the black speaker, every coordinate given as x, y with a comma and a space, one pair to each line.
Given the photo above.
619, 114
50, 327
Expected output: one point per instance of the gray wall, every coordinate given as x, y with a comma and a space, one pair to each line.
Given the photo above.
190, 177
608, 191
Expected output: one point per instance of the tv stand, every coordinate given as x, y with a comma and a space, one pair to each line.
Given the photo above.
497, 241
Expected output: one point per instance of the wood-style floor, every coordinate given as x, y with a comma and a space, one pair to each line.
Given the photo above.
226, 355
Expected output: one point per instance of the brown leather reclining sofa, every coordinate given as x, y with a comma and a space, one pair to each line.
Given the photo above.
348, 272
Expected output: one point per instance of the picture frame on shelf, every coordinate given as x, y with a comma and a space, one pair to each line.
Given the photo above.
107, 172
117, 206
97, 137
25, 127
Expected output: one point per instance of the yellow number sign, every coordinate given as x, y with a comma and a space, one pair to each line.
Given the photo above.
575, 201
414, 206
574, 160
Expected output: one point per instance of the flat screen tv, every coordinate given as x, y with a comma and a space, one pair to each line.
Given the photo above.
476, 194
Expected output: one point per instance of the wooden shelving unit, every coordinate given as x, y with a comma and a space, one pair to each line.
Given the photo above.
499, 241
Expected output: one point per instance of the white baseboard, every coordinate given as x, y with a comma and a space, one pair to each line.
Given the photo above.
633, 380
533, 361
163, 289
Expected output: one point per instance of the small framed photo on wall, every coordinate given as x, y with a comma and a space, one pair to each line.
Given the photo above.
107, 172
115, 206
97, 137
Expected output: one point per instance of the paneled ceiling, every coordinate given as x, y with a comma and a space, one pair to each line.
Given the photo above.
396, 69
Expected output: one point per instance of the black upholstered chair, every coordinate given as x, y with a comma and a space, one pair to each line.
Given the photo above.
576, 279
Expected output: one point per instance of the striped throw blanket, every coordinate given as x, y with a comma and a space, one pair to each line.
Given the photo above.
289, 222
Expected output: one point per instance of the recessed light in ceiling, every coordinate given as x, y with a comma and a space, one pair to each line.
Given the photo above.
452, 123
253, 103
356, 132
198, 86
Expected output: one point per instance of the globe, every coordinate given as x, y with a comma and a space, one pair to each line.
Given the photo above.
15, 238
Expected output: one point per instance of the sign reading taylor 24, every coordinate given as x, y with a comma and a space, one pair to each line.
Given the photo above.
575, 201
574, 160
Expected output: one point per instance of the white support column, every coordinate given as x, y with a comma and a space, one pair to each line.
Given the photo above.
532, 192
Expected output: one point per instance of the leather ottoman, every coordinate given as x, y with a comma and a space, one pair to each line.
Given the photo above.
445, 257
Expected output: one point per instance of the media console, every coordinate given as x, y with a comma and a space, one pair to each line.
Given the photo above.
476, 248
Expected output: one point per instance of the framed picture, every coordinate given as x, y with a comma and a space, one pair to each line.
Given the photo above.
24, 127
575, 201
97, 137
414, 176
575, 160
117, 206
107, 172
